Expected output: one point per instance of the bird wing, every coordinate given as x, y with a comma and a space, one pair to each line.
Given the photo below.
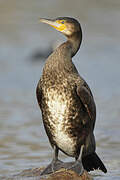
86, 97
39, 93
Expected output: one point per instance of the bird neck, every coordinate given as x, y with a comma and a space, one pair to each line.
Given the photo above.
74, 41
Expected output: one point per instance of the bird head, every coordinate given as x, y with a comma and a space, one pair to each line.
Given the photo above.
66, 25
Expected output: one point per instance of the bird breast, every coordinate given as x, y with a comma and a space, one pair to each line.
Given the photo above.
57, 104
58, 117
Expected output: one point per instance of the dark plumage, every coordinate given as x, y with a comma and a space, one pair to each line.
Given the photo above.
66, 101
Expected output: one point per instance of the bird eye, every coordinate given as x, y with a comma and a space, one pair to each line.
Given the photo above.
62, 22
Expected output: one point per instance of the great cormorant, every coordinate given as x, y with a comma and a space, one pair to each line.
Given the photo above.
67, 104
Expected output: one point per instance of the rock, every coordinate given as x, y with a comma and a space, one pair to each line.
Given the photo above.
61, 174
64, 174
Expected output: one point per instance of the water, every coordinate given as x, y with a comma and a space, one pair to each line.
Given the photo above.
23, 142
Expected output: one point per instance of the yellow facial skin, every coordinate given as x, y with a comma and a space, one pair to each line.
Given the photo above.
60, 25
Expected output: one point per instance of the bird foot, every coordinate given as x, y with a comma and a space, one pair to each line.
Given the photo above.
56, 165
52, 167
75, 166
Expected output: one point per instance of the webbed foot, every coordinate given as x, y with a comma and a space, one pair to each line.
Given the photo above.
56, 165
52, 167
75, 166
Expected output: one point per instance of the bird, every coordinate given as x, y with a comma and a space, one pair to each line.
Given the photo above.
67, 103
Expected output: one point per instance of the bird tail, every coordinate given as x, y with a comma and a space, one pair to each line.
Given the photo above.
92, 162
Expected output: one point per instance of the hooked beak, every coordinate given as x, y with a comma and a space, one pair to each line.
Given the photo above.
53, 23
50, 22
